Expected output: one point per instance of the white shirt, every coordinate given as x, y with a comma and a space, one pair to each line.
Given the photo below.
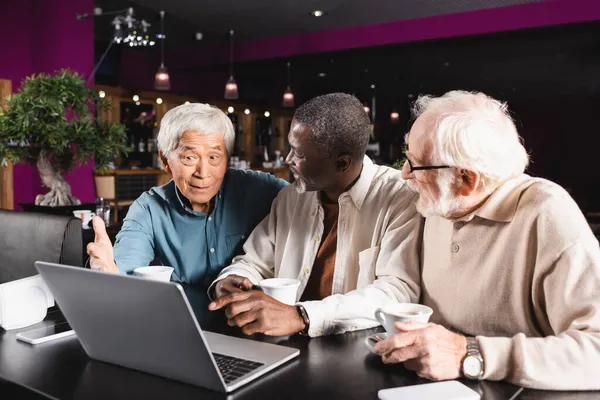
377, 258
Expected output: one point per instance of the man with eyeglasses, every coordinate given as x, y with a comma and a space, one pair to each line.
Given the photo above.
508, 260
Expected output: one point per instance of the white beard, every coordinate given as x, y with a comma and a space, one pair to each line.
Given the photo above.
444, 206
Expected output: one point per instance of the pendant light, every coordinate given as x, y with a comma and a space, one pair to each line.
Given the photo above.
231, 88
366, 107
288, 95
161, 80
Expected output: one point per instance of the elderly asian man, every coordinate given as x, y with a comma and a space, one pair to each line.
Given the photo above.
508, 260
347, 229
198, 221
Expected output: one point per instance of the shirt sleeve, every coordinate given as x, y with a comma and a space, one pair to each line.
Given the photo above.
134, 246
257, 262
570, 303
397, 277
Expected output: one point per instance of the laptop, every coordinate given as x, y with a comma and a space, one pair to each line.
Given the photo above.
149, 326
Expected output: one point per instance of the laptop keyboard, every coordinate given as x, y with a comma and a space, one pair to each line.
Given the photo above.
233, 368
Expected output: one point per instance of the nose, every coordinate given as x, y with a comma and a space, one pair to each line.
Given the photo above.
202, 168
406, 174
288, 158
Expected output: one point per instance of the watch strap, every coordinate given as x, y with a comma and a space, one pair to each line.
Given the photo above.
304, 315
473, 350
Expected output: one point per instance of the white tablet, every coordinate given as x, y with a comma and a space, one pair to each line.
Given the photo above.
448, 390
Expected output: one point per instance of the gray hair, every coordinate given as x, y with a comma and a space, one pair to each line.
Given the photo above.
474, 131
338, 122
196, 117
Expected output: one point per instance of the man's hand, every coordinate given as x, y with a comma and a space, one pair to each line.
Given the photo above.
256, 312
101, 250
232, 284
430, 350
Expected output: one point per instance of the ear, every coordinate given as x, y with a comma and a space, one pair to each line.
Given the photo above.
469, 182
165, 163
343, 162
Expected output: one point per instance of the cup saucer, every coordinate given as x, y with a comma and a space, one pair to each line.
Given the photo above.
371, 340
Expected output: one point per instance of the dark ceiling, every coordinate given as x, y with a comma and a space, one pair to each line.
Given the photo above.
269, 18
273, 18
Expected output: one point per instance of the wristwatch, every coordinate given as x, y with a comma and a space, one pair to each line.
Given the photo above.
302, 313
472, 364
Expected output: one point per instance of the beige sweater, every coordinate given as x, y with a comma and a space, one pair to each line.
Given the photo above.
522, 273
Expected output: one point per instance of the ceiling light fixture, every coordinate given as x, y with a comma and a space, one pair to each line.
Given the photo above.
317, 13
136, 97
288, 95
247, 111
230, 109
102, 94
322, 74
367, 109
231, 87
186, 102
162, 80
159, 100
267, 114
137, 103
394, 116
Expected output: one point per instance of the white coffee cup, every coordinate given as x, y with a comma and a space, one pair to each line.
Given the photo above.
158, 273
281, 289
85, 216
402, 312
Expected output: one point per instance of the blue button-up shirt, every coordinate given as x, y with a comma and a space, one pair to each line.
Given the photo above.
161, 225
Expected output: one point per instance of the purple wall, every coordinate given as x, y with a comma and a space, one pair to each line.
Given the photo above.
43, 36
546, 13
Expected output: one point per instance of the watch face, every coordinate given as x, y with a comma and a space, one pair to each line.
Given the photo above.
472, 367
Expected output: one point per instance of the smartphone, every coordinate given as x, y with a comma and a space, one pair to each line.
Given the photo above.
46, 333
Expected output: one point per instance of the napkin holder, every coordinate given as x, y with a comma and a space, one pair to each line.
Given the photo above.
24, 302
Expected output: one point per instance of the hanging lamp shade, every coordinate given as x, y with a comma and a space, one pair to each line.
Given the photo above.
231, 87
161, 79
288, 98
288, 95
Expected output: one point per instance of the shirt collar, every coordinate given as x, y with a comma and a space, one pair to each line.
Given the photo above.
502, 204
359, 190
187, 206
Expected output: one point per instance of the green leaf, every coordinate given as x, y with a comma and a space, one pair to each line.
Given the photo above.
57, 113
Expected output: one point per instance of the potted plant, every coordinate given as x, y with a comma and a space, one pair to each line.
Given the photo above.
52, 123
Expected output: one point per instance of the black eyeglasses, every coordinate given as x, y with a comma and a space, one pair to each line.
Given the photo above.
413, 169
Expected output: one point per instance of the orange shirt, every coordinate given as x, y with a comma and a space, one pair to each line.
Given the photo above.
320, 281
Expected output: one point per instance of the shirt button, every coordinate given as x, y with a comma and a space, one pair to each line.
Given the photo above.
454, 248
210, 218
306, 270
459, 224
318, 238
212, 249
